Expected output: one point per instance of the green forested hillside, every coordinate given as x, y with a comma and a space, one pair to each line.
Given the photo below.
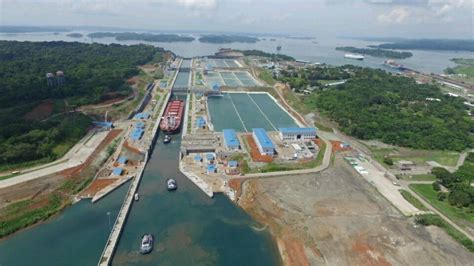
91, 71
374, 104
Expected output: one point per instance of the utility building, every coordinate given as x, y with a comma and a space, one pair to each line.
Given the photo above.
231, 141
60, 78
50, 79
263, 141
296, 133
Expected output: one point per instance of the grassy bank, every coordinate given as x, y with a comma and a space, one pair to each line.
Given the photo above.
17, 218
432, 219
454, 213
414, 201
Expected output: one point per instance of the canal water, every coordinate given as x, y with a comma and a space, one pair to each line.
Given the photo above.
75, 237
189, 227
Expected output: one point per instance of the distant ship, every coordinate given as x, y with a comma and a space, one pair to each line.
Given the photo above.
393, 64
171, 184
171, 120
146, 244
167, 139
354, 56
136, 197
279, 48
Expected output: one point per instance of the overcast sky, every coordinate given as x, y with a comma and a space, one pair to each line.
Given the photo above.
394, 18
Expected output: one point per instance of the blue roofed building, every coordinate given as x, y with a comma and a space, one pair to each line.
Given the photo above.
263, 141
122, 160
117, 171
297, 133
142, 116
233, 164
136, 134
231, 141
200, 122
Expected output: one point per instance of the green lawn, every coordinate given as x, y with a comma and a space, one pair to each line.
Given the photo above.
427, 192
422, 177
447, 158
266, 76
414, 201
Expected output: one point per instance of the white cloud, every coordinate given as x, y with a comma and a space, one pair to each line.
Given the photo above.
396, 16
198, 4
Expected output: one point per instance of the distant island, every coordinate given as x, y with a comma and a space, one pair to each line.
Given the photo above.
429, 44
376, 52
227, 39
276, 57
25, 29
300, 38
75, 35
129, 36
464, 69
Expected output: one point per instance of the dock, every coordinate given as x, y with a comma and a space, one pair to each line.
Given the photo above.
114, 236
197, 181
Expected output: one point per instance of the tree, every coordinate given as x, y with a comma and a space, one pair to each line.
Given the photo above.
459, 198
388, 161
436, 186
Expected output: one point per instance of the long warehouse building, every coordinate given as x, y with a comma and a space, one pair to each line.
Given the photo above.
296, 133
263, 141
231, 141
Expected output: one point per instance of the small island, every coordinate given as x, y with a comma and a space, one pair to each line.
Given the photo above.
75, 35
429, 44
276, 57
148, 37
227, 39
376, 52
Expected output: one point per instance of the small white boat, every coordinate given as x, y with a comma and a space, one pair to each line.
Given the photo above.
354, 56
136, 197
171, 184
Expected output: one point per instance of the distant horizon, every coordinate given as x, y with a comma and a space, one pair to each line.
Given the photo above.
66, 28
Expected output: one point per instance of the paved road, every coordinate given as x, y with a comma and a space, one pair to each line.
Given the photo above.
77, 156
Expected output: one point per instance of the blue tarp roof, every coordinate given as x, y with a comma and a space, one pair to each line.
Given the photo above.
232, 163
200, 121
117, 171
122, 159
215, 87
197, 157
103, 124
295, 130
210, 156
143, 115
230, 138
263, 138
211, 168
136, 134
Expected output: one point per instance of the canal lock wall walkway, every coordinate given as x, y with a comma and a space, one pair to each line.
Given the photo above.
114, 236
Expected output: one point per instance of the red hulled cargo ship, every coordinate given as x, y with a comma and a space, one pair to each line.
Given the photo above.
173, 116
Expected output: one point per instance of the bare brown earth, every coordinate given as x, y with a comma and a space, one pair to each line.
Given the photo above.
97, 185
336, 218
41, 111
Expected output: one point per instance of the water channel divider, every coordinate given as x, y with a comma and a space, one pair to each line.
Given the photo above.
114, 236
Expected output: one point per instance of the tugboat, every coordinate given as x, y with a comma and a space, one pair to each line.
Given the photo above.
146, 244
167, 139
136, 197
171, 184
